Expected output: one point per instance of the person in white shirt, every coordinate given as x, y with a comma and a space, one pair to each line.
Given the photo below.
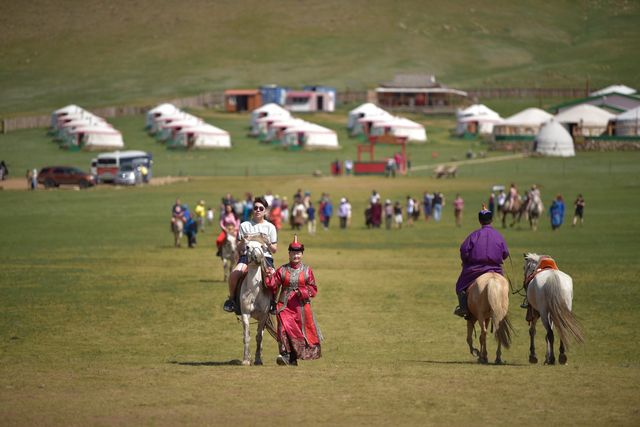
257, 225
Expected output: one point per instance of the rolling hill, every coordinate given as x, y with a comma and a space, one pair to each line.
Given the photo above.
113, 52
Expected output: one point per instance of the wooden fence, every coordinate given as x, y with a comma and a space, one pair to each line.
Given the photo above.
216, 100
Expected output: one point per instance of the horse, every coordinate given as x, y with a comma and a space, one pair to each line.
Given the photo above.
228, 252
550, 295
514, 209
488, 301
255, 298
532, 209
177, 227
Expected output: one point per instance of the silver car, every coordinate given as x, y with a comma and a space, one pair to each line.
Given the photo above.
128, 175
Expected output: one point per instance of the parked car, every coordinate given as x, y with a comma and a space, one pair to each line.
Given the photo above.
128, 175
55, 176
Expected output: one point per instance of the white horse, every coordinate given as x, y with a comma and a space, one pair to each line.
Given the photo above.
255, 299
534, 209
550, 295
177, 227
229, 252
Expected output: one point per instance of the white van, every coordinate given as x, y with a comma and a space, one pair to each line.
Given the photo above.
108, 164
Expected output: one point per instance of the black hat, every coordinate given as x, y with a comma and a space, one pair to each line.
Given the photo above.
485, 216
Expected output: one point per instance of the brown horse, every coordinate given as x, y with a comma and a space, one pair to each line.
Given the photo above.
488, 301
514, 208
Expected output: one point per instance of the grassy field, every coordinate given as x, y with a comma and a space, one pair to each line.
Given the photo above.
103, 322
96, 53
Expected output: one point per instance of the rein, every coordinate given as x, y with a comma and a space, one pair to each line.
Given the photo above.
514, 291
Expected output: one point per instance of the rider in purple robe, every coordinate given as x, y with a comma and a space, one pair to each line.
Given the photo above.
481, 252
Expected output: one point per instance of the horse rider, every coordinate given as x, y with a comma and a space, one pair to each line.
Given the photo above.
298, 333
483, 251
257, 225
227, 219
513, 196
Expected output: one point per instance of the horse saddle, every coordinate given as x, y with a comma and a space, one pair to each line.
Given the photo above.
545, 263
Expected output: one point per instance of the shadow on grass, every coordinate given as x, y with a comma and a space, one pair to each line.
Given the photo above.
462, 362
234, 362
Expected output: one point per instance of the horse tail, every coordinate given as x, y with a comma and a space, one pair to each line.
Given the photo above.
560, 315
498, 296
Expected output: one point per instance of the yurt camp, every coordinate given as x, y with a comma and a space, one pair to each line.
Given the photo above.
399, 127
628, 123
368, 109
585, 120
476, 119
262, 115
310, 136
202, 136
523, 125
554, 140
159, 111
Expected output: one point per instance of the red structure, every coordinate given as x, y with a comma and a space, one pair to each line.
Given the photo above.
373, 167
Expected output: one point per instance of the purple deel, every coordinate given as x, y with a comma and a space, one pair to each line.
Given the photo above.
482, 251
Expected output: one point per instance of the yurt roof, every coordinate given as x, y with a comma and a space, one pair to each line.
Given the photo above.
632, 114
478, 110
366, 107
528, 117
625, 90
270, 107
398, 122
587, 114
204, 128
164, 108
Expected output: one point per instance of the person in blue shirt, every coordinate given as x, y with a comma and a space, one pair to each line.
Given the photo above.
556, 212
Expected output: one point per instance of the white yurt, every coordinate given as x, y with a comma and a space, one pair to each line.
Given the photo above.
400, 127
275, 130
554, 140
271, 111
163, 120
476, 119
201, 136
585, 119
168, 130
365, 110
64, 111
310, 136
97, 138
526, 122
628, 123
622, 89
159, 111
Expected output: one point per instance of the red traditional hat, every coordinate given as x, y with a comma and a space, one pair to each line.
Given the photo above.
296, 246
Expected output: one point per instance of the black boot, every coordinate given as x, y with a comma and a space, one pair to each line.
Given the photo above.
461, 310
525, 303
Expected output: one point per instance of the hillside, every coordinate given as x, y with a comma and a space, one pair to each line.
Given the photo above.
97, 52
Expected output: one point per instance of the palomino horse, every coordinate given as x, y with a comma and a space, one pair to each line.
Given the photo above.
255, 298
550, 295
177, 227
514, 209
229, 251
533, 208
488, 301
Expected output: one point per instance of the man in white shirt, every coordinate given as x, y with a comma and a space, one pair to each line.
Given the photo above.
257, 225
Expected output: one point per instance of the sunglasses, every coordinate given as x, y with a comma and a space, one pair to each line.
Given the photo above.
258, 208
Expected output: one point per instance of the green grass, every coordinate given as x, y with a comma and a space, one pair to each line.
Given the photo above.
95, 54
104, 322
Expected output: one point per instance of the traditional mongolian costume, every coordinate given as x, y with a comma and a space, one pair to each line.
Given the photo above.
483, 251
298, 333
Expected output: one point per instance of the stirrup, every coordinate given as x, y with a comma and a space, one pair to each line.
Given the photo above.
459, 311
524, 305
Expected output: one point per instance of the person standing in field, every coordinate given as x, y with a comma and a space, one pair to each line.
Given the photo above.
311, 218
410, 208
327, 212
397, 214
438, 204
556, 212
483, 251
257, 225
388, 214
458, 207
579, 212
200, 212
427, 202
294, 285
